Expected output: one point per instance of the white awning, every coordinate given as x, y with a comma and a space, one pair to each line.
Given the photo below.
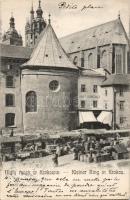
86, 117
105, 117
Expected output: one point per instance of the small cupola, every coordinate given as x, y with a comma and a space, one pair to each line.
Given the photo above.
39, 10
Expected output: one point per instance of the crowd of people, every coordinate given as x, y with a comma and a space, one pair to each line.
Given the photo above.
92, 149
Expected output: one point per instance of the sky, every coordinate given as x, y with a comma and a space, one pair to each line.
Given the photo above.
75, 15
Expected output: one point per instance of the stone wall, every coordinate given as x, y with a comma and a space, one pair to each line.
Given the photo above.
55, 110
102, 57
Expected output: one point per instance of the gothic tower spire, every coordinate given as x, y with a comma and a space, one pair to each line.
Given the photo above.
32, 13
35, 27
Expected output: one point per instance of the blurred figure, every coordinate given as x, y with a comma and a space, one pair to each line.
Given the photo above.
66, 149
55, 160
58, 150
75, 153
12, 133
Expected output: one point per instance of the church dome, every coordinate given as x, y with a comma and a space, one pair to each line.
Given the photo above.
11, 36
12, 32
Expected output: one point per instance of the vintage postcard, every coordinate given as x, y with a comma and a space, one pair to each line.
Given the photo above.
64, 99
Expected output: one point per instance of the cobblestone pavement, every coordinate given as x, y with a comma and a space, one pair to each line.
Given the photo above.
65, 162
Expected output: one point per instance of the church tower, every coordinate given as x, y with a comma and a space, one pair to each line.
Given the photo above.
11, 37
34, 26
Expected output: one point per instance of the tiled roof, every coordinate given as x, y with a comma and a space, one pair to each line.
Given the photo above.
48, 52
117, 79
107, 33
110, 32
12, 51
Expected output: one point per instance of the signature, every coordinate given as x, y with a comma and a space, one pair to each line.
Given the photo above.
65, 5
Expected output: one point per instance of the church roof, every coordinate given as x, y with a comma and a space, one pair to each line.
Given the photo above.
48, 52
117, 79
107, 33
93, 72
12, 51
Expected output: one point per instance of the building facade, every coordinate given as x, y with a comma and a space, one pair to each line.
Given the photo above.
93, 99
89, 87
49, 83
10, 91
119, 87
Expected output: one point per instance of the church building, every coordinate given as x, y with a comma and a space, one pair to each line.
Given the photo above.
49, 86
105, 47
49, 83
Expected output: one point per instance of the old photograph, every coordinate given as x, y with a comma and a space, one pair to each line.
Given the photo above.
64, 99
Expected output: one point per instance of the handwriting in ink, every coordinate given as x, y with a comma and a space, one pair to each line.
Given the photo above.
71, 6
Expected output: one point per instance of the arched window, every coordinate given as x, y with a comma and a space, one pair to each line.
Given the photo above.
31, 102
90, 60
75, 61
119, 60
104, 59
9, 119
9, 100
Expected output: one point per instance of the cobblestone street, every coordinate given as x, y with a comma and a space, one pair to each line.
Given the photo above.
65, 162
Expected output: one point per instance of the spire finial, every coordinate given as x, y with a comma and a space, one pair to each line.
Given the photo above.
39, 3
119, 14
32, 12
32, 5
12, 14
129, 27
12, 23
49, 19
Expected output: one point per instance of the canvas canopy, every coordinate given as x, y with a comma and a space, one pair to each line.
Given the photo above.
86, 117
105, 117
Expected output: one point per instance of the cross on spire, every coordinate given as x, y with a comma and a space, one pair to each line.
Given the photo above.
32, 5
129, 27
32, 12
119, 14
49, 19
39, 3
